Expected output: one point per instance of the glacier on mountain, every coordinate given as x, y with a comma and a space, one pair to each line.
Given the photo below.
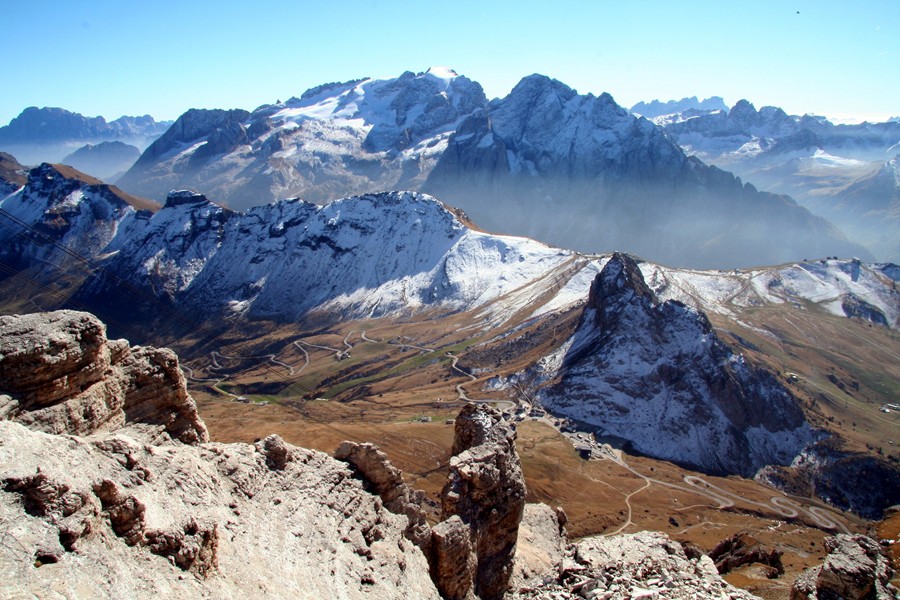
333, 141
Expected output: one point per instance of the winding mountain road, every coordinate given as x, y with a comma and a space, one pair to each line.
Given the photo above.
723, 498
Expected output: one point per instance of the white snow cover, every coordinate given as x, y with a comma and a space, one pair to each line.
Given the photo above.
825, 283
399, 252
363, 135
92, 214
372, 255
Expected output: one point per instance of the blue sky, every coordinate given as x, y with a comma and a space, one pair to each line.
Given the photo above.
99, 57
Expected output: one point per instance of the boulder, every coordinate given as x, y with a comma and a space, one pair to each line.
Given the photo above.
744, 549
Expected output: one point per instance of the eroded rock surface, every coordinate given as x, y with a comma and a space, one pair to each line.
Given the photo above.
386, 480
541, 546
60, 374
113, 516
641, 565
486, 489
855, 569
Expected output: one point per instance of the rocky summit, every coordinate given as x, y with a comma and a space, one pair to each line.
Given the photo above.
568, 169
656, 374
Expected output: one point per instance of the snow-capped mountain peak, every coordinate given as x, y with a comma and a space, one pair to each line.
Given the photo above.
655, 373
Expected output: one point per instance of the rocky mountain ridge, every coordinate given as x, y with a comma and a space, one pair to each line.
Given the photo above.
546, 162
842, 172
213, 261
48, 134
334, 140
60, 208
656, 374
581, 172
656, 108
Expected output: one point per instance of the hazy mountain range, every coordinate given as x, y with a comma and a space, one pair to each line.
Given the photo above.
572, 170
50, 134
846, 173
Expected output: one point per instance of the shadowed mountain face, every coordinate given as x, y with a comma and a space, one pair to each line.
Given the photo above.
581, 172
106, 160
845, 173
656, 374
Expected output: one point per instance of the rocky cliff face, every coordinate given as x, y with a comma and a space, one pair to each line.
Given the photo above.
117, 508
335, 140
486, 490
114, 516
59, 374
855, 569
579, 171
656, 374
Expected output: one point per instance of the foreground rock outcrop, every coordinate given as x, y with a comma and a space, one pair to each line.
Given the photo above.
855, 569
60, 374
486, 489
107, 489
113, 516
386, 480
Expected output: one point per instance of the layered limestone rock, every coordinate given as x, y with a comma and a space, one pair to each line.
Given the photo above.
640, 565
113, 516
60, 374
386, 480
486, 489
855, 569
